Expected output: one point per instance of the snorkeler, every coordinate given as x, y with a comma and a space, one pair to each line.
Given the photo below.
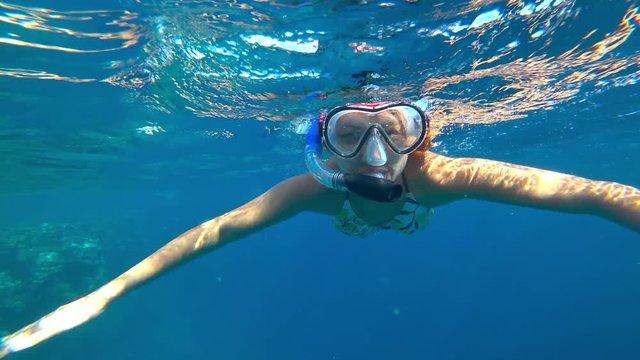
381, 176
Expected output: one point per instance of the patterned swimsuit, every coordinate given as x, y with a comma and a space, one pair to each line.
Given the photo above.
411, 217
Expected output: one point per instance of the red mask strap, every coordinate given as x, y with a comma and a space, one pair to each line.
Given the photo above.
369, 106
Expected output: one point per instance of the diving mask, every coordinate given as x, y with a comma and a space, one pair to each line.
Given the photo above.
401, 126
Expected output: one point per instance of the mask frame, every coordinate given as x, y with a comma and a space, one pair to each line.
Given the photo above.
373, 108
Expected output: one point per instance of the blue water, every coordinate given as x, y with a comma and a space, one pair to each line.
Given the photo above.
484, 281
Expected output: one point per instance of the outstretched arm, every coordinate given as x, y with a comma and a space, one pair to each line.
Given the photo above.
279, 203
521, 185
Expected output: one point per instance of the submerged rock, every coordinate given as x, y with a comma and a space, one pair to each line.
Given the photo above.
44, 266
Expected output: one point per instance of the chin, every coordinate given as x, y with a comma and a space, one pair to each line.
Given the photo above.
395, 178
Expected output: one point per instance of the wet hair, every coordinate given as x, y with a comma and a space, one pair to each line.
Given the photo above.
427, 143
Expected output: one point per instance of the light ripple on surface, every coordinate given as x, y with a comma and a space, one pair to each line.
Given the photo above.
32, 30
474, 62
222, 60
206, 59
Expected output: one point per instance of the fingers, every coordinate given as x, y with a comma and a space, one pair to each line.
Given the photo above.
4, 350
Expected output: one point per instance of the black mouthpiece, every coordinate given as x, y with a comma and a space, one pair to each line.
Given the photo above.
373, 188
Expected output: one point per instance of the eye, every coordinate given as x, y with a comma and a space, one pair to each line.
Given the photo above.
392, 130
352, 135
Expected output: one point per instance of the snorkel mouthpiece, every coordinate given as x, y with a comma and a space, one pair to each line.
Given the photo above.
373, 188
369, 187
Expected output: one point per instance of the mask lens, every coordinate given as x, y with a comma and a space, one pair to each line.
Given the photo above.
402, 126
346, 130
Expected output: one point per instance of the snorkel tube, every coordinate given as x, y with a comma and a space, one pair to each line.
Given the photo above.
369, 187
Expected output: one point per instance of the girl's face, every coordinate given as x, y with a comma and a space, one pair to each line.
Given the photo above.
370, 142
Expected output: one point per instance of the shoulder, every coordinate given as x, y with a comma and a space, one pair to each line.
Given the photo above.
426, 170
428, 176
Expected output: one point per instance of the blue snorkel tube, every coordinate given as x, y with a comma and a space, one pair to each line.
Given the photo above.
370, 187
332, 179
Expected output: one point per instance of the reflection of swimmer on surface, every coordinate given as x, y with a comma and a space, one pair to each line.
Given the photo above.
381, 176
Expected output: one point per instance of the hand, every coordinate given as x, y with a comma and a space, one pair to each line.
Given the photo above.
64, 318
4, 351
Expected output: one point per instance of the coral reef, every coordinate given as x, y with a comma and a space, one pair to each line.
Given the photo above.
45, 265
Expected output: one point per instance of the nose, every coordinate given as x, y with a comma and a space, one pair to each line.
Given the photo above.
375, 154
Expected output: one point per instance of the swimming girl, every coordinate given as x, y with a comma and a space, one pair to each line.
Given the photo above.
381, 176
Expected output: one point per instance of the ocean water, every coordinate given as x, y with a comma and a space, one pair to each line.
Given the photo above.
123, 124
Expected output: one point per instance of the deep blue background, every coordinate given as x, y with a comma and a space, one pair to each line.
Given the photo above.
484, 281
